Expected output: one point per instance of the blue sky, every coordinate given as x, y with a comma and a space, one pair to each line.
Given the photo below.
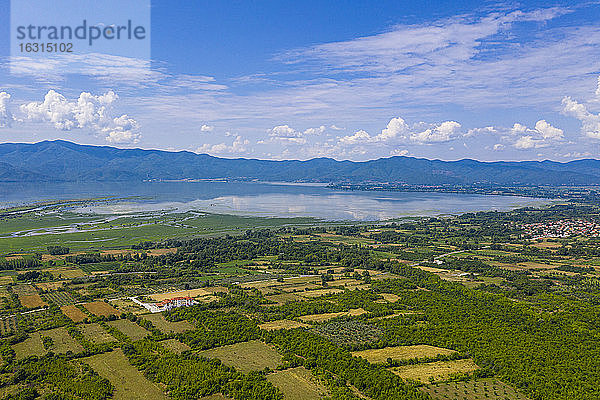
347, 79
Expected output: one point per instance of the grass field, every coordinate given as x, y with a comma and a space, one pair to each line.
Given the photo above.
159, 321
66, 272
96, 333
283, 298
298, 384
131, 329
74, 313
180, 293
482, 389
101, 308
30, 346
282, 324
129, 383
319, 292
390, 297
32, 301
247, 356
175, 346
8, 326
401, 353
62, 341
327, 316
439, 370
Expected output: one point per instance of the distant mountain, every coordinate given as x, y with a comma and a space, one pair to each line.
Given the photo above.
65, 161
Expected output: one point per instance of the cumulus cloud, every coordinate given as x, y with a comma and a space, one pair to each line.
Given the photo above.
238, 146
443, 132
287, 134
542, 135
87, 112
499, 146
358, 137
206, 128
590, 123
396, 127
6, 117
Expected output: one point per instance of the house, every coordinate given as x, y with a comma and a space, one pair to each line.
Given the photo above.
167, 304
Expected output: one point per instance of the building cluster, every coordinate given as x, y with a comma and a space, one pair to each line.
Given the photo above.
562, 228
167, 304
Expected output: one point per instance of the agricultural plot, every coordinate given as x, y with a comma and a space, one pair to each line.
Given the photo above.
438, 371
298, 384
126, 305
245, 357
8, 326
62, 342
320, 292
74, 313
483, 389
283, 298
282, 324
32, 346
32, 301
181, 293
129, 383
175, 346
401, 353
101, 309
60, 298
24, 289
66, 272
390, 297
131, 329
96, 333
317, 318
159, 321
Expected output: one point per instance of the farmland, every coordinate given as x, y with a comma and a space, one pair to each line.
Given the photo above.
465, 307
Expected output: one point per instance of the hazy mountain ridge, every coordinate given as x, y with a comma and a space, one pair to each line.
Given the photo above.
65, 161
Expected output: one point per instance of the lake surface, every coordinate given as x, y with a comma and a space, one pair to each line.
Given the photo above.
260, 199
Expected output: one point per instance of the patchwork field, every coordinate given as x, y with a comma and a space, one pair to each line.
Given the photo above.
439, 370
298, 384
30, 346
282, 324
327, 316
60, 298
61, 341
390, 297
32, 301
401, 353
247, 356
66, 272
319, 292
131, 329
159, 321
101, 309
96, 333
74, 313
175, 346
284, 298
8, 326
482, 389
129, 383
181, 293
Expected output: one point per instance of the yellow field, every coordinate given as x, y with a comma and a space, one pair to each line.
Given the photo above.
175, 346
298, 384
282, 324
284, 298
245, 357
480, 389
66, 272
401, 353
74, 313
32, 300
48, 285
328, 316
96, 333
439, 370
159, 321
390, 297
6, 279
131, 329
129, 383
319, 292
101, 308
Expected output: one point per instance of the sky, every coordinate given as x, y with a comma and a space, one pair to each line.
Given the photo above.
353, 80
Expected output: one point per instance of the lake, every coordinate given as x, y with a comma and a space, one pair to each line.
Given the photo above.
260, 199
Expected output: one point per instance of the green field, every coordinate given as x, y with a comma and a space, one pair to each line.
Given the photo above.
246, 356
298, 384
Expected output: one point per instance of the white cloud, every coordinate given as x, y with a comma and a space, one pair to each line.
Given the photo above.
548, 131
88, 112
396, 127
528, 142
542, 135
477, 131
590, 123
443, 132
206, 128
499, 146
518, 129
314, 131
336, 128
287, 134
398, 152
6, 117
238, 146
598, 87
358, 137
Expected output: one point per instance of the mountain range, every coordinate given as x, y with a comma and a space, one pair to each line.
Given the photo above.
65, 161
